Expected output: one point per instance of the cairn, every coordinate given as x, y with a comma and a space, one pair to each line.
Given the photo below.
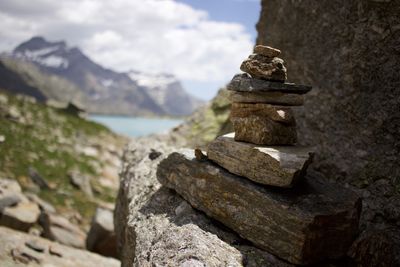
254, 180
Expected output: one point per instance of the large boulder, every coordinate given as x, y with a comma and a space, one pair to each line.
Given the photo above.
312, 222
348, 52
21, 249
156, 227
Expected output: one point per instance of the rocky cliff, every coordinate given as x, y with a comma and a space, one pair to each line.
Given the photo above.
349, 52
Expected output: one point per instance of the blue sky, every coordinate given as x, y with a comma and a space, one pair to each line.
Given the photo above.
201, 42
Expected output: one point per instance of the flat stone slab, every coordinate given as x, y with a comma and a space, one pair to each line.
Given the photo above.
244, 83
314, 221
276, 98
280, 166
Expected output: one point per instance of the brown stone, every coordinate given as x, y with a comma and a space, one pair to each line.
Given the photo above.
20, 217
276, 98
259, 66
267, 51
314, 221
281, 166
263, 124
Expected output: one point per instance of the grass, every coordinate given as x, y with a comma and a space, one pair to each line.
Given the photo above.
46, 139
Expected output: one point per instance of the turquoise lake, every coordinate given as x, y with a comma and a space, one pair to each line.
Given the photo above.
136, 126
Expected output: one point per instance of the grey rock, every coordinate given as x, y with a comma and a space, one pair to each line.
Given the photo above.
9, 200
15, 252
21, 216
281, 166
58, 228
82, 182
259, 66
156, 227
101, 237
43, 205
277, 98
315, 221
245, 83
38, 179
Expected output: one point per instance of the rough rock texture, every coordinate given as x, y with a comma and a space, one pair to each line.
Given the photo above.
375, 247
267, 51
276, 98
281, 166
244, 83
20, 249
349, 51
259, 66
156, 227
59, 229
101, 237
263, 124
314, 221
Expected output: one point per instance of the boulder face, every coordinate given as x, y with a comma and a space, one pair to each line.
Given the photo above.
352, 113
156, 227
314, 221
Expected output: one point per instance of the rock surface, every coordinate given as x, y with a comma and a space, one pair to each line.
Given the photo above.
20, 217
277, 98
244, 83
352, 115
158, 228
315, 221
58, 228
259, 66
101, 237
263, 124
281, 166
20, 249
267, 51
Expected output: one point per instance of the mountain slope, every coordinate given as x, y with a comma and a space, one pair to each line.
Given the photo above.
106, 91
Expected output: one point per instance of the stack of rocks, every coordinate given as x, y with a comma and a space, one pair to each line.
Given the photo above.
262, 115
258, 186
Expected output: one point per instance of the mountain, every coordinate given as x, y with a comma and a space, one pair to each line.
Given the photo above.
106, 91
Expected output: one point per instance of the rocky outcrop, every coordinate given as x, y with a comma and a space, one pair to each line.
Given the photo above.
348, 51
156, 227
20, 249
312, 222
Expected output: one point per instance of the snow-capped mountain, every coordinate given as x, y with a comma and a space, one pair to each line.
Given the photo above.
108, 91
167, 91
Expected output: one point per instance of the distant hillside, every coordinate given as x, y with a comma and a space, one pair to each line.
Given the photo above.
106, 91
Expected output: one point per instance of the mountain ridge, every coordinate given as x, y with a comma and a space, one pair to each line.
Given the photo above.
106, 91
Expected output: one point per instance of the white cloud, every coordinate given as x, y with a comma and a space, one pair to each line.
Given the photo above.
146, 35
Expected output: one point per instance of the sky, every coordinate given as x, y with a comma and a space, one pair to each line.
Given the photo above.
202, 42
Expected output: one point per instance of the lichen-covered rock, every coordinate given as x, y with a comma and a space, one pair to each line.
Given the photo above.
156, 227
21, 249
314, 221
259, 66
277, 98
281, 166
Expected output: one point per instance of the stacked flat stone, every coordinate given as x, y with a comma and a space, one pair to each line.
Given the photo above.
258, 186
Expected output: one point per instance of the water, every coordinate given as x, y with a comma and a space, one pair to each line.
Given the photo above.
135, 127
